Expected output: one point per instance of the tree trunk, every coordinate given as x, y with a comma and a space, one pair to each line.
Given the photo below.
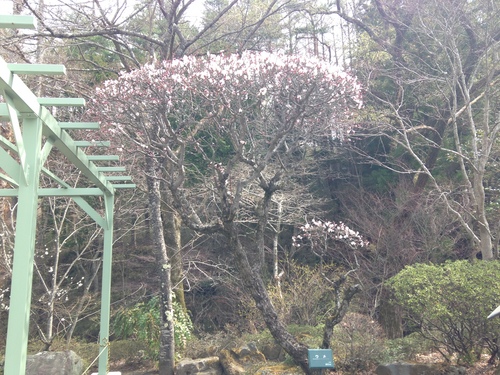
173, 241
166, 354
255, 287
390, 318
485, 241
276, 274
436, 136
341, 306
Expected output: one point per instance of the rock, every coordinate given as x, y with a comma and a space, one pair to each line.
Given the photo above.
234, 361
456, 371
230, 363
273, 352
204, 366
248, 349
249, 354
418, 369
54, 363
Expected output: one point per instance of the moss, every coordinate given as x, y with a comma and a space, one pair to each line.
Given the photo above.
277, 368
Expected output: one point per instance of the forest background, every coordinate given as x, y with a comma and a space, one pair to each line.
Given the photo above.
303, 209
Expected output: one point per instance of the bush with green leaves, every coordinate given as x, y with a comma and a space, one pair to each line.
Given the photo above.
142, 322
448, 304
405, 348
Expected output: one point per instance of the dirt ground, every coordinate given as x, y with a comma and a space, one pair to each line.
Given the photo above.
480, 368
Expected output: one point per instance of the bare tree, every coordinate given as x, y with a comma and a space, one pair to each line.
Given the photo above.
157, 29
65, 261
441, 59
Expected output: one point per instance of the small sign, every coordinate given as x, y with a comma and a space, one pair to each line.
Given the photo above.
320, 358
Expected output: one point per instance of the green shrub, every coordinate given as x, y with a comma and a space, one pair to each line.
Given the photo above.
405, 348
448, 304
142, 322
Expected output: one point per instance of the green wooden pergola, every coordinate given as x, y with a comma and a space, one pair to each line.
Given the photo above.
35, 134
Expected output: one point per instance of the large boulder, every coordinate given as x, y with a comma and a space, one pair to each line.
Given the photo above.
230, 363
273, 352
249, 353
54, 363
204, 366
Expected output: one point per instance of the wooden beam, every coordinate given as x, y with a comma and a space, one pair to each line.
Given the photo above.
80, 125
118, 178
92, 143
70, 192
124, 186
111, 169
103, 157
62, 102
37, 69
17, 22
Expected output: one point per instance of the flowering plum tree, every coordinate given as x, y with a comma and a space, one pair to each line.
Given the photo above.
224, 133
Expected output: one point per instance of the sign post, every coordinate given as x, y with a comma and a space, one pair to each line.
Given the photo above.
320, 359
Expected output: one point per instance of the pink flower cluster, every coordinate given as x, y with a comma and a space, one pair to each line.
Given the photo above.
319, 232
274, 86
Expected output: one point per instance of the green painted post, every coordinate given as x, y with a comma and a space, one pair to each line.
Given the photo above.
107, 258
17, 22
24, 249
23, 174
